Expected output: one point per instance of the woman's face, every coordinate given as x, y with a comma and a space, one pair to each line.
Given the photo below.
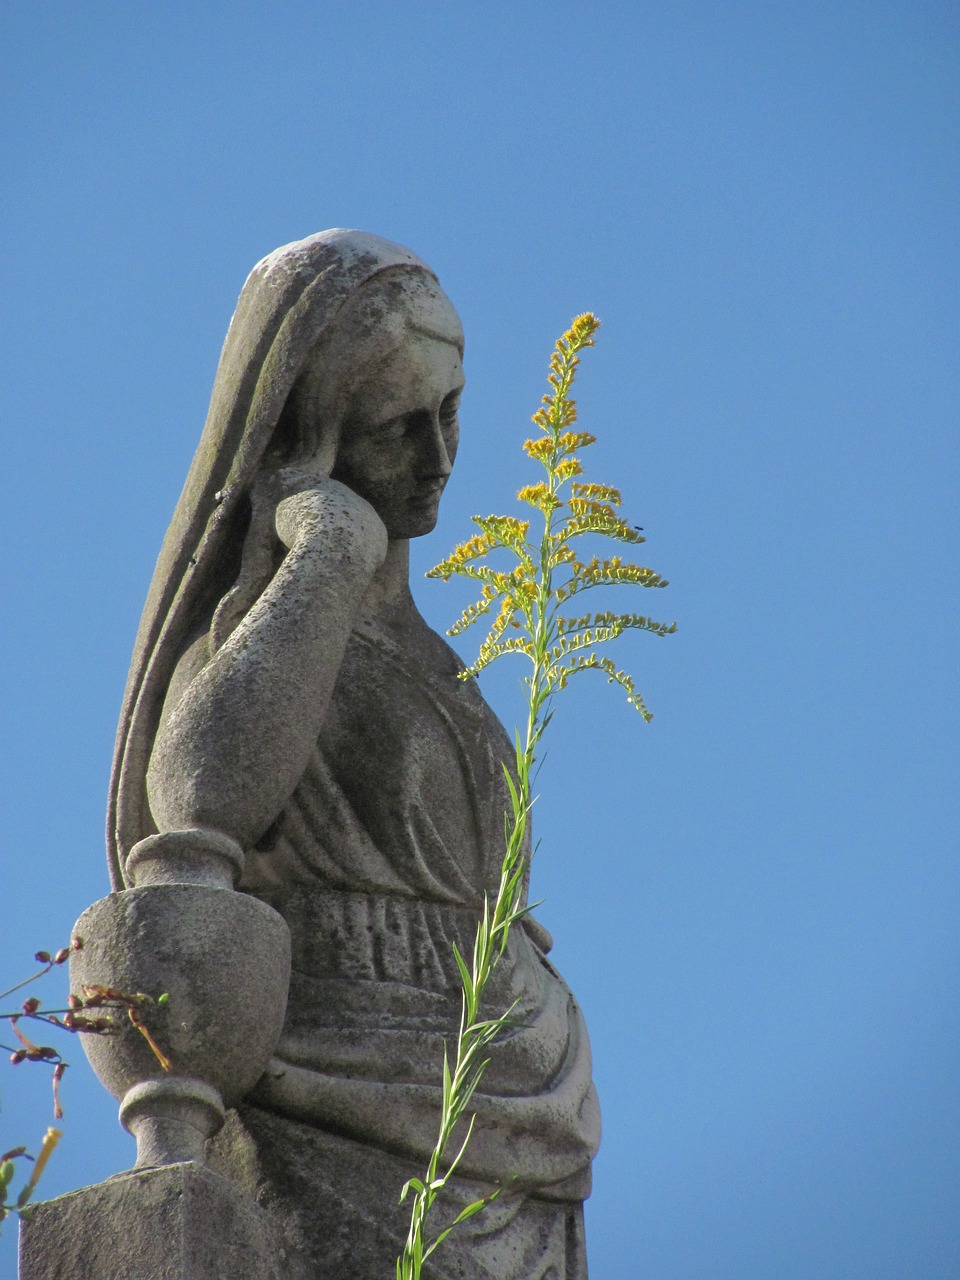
399, 436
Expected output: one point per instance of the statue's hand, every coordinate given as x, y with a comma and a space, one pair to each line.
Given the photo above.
311, 510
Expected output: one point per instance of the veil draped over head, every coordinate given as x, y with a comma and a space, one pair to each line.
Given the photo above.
287, 304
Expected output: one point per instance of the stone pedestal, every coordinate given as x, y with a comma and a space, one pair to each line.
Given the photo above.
179, 1222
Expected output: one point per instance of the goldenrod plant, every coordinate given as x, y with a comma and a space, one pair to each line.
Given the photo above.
529, 600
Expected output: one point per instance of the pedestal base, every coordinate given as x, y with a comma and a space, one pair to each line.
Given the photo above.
178, 1222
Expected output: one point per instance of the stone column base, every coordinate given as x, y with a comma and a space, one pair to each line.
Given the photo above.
177, 1222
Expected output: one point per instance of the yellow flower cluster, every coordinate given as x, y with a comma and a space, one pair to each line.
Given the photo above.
597, 493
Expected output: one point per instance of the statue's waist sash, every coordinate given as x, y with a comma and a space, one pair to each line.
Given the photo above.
375, 995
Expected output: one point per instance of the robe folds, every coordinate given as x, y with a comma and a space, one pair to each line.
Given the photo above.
379, 863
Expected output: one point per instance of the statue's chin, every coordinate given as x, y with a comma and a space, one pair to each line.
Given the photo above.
415, 524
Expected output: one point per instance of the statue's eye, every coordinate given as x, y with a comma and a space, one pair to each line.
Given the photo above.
449, 409
394, 428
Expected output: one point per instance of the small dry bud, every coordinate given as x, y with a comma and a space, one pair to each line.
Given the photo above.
57, 1077
62, 954
79, 1022
31, 1005
43, 957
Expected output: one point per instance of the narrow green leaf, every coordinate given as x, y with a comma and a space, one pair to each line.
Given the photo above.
465, 975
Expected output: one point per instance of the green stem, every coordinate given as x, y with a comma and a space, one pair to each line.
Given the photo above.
476, 1033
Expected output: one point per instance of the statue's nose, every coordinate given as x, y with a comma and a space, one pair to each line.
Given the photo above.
436, 459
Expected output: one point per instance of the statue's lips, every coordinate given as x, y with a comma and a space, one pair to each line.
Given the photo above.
428, 495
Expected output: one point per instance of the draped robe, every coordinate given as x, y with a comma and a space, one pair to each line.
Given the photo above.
379, 863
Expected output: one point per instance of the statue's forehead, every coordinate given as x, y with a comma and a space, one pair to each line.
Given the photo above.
413, 299
420, 364
380, 317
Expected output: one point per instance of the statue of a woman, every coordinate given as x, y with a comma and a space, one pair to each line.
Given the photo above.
285, 693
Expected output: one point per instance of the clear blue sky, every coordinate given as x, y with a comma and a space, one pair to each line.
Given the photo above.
755, 898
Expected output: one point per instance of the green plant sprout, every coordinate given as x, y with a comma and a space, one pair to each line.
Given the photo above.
528, 600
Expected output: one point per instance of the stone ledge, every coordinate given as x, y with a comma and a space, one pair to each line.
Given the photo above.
178, 1222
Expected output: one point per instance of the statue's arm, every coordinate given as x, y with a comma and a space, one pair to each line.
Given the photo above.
238, 727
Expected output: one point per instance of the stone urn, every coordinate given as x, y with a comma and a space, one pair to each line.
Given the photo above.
219, 957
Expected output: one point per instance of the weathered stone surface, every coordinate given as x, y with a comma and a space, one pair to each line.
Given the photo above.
286, 700
181, 1222
223, 960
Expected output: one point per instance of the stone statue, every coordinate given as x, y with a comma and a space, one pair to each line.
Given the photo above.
288, 705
